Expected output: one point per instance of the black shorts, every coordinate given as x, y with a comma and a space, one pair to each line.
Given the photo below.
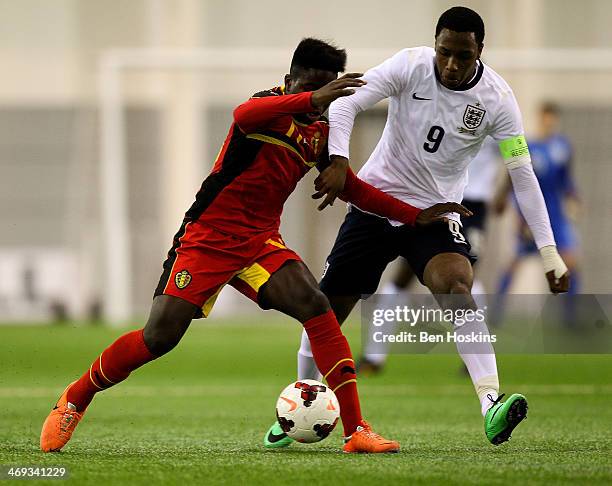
366, 244
478, 219
474, 226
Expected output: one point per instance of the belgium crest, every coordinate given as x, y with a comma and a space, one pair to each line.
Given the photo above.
182, 279
472, 117
315, 142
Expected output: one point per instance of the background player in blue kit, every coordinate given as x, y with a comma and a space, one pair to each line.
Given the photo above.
552, 156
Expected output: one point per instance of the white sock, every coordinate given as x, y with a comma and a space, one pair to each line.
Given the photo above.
482, 366
477, 288
306, 367
479, 294
391, 295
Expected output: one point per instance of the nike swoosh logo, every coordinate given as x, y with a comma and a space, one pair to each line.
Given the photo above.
415, 97
290, 402
272, 437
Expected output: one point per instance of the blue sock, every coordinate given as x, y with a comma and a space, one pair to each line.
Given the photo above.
504, 282
496, 309
574, 283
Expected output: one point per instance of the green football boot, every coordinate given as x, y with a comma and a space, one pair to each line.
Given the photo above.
501, 419
275, 438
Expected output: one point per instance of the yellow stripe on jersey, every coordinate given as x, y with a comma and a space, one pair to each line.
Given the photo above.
276, 243
291, 130
276, 141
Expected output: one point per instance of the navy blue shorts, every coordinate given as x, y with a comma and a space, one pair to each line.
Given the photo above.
478, 219
474, 226
366, 244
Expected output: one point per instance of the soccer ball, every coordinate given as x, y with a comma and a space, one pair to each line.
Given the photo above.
307, 411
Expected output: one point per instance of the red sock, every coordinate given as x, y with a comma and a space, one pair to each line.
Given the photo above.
114, 365
332, 355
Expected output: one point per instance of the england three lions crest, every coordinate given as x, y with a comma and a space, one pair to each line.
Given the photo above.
473, 116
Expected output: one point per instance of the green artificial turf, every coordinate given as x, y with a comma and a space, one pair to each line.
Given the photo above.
198, 414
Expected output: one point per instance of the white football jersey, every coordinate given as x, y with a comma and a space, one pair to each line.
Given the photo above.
432, 132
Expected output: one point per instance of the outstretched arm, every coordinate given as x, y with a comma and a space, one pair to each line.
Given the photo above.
261, 111
335, 170
533, 208
383, 81
508, 131
373, 200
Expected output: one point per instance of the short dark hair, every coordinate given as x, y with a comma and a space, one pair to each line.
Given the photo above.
550, 107
462, 19
317, 54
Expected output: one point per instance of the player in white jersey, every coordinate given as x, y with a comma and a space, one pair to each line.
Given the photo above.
443, 103
479, 192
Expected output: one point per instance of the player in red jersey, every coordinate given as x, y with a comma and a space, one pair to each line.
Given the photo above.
230, 236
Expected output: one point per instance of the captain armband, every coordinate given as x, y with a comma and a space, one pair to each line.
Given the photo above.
515, 152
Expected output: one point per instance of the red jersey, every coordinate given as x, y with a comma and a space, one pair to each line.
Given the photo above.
230, 233
266, 152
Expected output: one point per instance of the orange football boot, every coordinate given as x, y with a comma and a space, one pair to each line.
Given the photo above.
60, 424
364, 440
